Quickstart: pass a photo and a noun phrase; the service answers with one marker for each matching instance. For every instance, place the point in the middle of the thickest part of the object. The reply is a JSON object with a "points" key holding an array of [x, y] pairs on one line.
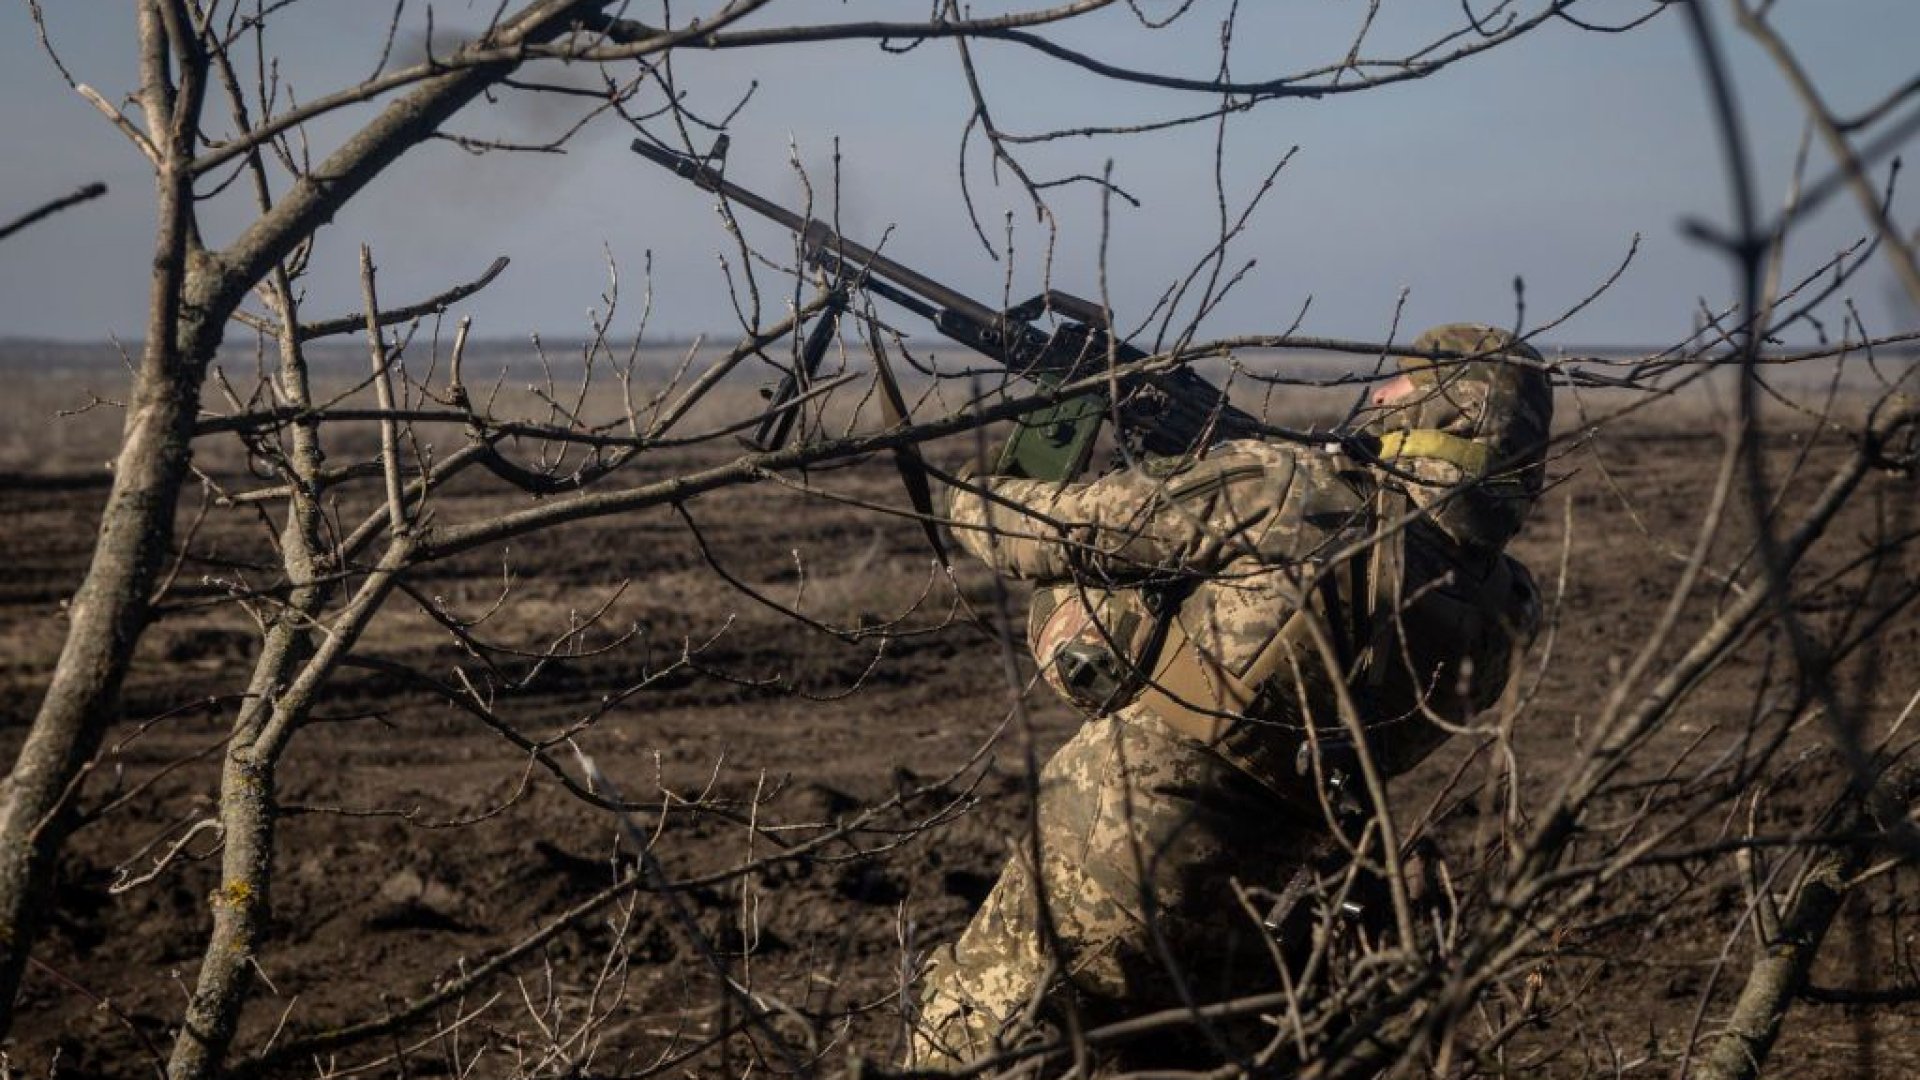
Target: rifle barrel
{"points": [[817, 237]]}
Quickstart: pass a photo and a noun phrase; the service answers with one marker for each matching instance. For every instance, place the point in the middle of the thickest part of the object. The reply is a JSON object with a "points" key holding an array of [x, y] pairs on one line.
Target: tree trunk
{"points": [[1780, 973], [193, 293], [110, 610]]}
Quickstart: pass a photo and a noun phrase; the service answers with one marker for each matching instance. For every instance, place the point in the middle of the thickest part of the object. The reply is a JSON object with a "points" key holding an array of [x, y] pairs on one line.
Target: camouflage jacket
{"points": [[1296, 583]]}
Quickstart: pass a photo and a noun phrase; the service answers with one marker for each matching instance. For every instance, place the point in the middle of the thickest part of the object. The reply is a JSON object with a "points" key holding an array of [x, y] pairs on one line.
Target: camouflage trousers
{"points": [[1131, 903]]}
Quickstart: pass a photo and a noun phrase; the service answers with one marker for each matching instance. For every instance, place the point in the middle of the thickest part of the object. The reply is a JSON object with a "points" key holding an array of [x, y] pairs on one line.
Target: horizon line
{"points": [[497, 343]]}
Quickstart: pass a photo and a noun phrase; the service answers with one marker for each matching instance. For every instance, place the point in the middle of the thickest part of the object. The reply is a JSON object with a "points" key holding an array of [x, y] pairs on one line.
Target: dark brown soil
{"points": [[418, 842]]}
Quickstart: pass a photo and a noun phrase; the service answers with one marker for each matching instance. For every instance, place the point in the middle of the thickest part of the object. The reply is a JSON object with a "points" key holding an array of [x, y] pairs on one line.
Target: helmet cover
{"points": [[1495, 393]]}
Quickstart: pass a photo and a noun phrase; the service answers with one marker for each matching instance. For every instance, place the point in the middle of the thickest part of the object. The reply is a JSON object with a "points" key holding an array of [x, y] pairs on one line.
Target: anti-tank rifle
{"points": [[1161, 413]]}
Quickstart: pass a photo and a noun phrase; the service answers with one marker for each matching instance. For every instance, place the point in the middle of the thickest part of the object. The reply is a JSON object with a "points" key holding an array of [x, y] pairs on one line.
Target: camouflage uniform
{"points": [[1213, 618]]}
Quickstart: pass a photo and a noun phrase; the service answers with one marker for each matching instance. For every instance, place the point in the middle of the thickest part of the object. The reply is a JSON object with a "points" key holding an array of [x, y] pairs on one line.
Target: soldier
{"points": [[1256, 638]]}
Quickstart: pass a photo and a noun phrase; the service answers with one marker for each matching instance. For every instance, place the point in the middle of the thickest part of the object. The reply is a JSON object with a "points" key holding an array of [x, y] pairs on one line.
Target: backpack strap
{"points": [[1201, 698]]}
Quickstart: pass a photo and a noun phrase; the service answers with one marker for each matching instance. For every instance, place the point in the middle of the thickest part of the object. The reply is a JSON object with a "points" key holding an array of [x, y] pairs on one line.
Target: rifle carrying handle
{"points": [[1060, 303]]}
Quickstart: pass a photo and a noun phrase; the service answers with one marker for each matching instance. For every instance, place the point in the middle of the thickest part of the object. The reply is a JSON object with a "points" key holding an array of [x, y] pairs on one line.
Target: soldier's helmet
{"points": [[1491, 404]]}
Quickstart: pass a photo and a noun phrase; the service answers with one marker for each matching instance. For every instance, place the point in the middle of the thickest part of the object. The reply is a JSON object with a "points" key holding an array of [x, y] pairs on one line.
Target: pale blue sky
{"points": [[1540, 159]]}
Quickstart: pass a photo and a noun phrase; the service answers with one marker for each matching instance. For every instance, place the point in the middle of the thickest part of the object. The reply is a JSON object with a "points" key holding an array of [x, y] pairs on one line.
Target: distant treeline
{"points": [[522, 357], [42, 355]]}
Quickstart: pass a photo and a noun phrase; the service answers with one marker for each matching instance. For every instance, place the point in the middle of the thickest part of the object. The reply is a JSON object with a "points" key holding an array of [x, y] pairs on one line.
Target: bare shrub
{"points": [[409, 553]]}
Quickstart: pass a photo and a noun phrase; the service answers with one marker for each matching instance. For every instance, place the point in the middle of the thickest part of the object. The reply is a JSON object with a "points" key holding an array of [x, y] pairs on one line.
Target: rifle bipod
{"points": [[782, 407]]}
